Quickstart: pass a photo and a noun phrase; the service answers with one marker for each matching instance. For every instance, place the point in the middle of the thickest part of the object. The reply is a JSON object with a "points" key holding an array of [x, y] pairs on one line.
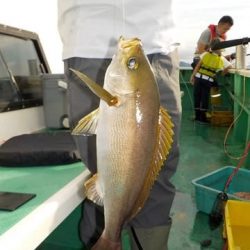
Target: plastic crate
{"points": [[207, 187], [221, 118], [237, 222]]}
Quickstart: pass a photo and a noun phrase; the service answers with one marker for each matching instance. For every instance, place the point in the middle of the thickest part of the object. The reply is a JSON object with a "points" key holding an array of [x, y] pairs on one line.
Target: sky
{"points": [[191, 18]]}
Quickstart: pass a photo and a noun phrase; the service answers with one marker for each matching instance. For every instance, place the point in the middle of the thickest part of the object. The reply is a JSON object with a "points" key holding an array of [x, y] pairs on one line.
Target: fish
{"points": [[134, 135]]}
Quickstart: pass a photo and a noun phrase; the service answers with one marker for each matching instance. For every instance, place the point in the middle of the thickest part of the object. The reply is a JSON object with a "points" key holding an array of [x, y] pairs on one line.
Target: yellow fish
{"points": [[134, 136]]}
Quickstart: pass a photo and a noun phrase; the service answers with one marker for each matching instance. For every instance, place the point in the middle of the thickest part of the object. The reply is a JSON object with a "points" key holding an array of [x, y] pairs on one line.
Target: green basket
{"points": [[207, 187]]}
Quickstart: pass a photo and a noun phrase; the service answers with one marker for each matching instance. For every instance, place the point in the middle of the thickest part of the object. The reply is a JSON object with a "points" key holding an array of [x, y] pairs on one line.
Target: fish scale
{"points": [[134, 135]]}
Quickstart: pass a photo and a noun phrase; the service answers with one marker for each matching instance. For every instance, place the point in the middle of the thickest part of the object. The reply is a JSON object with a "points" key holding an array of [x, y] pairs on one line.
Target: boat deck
{"points": [[201, 152]]}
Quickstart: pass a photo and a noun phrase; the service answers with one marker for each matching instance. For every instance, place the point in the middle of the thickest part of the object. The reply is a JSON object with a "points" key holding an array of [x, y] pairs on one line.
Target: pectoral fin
{"points": [[97, 89], [87, 125], [162, 148], [93, 191]]}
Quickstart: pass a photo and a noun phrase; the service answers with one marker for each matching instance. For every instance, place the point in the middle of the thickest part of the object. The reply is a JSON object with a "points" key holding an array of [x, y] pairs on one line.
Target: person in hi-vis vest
{"points": [[203, 77]]}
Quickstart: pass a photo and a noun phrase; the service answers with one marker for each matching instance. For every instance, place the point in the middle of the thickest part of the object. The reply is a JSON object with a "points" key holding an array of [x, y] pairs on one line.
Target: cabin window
{"points": [[20, 73]]}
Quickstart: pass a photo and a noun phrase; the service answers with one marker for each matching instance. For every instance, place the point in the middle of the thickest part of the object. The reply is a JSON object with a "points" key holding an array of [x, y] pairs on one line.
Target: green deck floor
{"points": [[201, 152]]}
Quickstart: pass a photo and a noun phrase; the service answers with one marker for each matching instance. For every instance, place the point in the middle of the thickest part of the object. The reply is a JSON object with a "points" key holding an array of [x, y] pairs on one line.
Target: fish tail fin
{"points": [[106, 244], [93, 191]]}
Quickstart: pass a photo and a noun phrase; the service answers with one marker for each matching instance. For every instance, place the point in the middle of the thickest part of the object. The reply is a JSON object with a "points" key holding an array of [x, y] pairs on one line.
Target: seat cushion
{"points": [[39, 149]]}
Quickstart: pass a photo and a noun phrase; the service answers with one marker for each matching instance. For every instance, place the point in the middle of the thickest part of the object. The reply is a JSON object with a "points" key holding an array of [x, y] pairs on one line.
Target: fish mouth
{"points": [[127, 43]]}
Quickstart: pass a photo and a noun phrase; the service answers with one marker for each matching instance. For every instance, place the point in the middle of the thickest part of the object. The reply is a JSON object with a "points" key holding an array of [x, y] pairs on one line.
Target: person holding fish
{"points": [[121, 64]]}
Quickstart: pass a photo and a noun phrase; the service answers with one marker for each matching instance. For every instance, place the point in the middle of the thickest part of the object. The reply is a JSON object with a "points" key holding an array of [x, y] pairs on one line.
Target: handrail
{"points": [[230, 43]]}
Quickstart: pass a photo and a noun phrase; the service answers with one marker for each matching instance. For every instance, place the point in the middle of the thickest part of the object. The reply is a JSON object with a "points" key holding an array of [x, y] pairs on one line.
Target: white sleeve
{"points": [[205, 37]]}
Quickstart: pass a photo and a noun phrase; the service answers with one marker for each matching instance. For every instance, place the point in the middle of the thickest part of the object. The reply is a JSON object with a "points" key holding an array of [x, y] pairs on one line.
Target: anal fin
{"points": [[93, 191]]}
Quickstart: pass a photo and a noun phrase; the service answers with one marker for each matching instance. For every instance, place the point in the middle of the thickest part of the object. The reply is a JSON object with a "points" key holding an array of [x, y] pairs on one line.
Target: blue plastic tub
{"points": [[207, 187]]}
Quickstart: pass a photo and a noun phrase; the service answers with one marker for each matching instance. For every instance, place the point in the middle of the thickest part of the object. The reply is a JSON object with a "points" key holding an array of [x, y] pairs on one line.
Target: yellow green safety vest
{"points": [[210, 64]]}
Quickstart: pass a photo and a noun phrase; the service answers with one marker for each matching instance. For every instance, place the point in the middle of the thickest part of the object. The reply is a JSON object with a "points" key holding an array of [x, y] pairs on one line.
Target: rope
{"points": [[229, 180], [233, 123]]}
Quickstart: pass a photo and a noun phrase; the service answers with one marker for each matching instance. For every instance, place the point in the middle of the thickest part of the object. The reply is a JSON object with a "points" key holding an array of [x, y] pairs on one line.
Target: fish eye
{"points": [[132, 63]]}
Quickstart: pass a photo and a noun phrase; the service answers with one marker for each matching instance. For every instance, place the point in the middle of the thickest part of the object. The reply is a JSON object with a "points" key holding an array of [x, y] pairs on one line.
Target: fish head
{"points": [[129, 69]]}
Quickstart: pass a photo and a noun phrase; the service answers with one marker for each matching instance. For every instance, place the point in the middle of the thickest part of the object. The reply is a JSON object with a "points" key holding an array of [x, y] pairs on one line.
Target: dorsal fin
{"points": [[87, 125], [93, 192], [162, 148]]}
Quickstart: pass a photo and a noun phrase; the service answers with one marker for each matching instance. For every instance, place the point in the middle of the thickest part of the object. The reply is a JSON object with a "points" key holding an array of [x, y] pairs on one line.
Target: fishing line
{"points": [[123, 17]]}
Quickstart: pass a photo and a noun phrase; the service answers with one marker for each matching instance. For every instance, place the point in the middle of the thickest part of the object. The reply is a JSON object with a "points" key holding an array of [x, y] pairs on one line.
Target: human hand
{"points": [[233, 56]]}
